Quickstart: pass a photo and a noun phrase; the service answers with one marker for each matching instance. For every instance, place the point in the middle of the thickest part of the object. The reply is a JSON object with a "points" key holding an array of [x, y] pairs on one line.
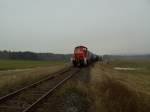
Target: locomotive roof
{"points": [[80, 46]]}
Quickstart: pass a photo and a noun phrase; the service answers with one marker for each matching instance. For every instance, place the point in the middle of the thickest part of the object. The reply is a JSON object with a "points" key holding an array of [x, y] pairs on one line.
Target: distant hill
{"points": [[129, 57], [33, 56], [60, 57]]}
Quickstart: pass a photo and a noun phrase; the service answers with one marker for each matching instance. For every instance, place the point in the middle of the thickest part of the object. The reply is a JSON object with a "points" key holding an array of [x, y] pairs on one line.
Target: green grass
{"points": [[141, 76], [143, 66], [20, 64], [138, 79], [131, 63]]}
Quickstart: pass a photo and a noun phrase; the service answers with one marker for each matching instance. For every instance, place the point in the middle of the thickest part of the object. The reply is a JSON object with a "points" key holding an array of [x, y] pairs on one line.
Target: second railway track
{"points": [[24, 99]]}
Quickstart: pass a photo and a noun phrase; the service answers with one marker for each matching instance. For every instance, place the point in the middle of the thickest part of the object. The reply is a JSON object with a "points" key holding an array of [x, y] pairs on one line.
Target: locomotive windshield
{"points": [[80, 49]]}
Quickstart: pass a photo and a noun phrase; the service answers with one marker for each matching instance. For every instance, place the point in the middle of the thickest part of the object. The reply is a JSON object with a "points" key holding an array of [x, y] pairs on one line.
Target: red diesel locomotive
{"points": [[82, 56]]}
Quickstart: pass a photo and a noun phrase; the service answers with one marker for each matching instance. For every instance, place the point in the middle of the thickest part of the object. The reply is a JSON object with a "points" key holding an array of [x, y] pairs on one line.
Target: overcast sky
{"points": [[104, 26]]}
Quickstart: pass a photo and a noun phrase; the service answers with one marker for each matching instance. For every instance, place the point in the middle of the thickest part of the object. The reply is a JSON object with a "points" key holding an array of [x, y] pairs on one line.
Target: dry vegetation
{"points": [[102, 89], [8, 64], [98, 88], [14, 79]]}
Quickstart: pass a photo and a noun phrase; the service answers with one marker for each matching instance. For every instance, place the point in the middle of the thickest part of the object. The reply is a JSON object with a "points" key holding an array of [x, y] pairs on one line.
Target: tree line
{"points": [[33, 56]]}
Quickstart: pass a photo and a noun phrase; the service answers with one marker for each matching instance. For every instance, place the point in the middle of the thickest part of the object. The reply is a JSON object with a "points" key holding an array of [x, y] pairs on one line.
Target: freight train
{"points": [[83, 57]]}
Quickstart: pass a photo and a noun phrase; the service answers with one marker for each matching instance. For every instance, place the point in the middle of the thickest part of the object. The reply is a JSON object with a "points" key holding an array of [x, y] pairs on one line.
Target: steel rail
{"points": [[5, 97], [49, 92]]}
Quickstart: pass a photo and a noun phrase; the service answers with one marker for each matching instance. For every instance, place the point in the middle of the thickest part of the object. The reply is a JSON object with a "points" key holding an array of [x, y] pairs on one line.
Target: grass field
{"points": [[131, 63], [21, 64], [94, 89], [141, 76], [108, 90], [15, 79]]}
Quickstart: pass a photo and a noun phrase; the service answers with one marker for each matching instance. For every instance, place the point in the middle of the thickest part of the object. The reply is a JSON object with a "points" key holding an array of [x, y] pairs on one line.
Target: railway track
{"points": [[26, 98]]}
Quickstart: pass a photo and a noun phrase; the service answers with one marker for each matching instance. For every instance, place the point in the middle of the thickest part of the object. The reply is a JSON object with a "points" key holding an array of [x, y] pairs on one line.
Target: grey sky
{"points": [[104, 26]]}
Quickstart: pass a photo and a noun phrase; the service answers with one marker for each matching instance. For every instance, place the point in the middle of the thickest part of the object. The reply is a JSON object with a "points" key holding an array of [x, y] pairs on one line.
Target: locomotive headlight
{"points": [[85, 61]]}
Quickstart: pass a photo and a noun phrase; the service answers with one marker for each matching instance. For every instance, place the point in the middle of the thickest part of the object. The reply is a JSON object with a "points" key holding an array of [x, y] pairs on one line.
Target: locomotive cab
{"points": [[79, 57]]}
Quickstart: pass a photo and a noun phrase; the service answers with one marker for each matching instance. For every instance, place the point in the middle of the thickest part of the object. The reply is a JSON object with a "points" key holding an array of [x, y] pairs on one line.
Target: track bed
{"points": [[23, 100]]}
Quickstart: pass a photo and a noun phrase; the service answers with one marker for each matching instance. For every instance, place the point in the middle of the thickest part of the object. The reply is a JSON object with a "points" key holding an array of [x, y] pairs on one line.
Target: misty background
{"points": [[57, 26]]}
